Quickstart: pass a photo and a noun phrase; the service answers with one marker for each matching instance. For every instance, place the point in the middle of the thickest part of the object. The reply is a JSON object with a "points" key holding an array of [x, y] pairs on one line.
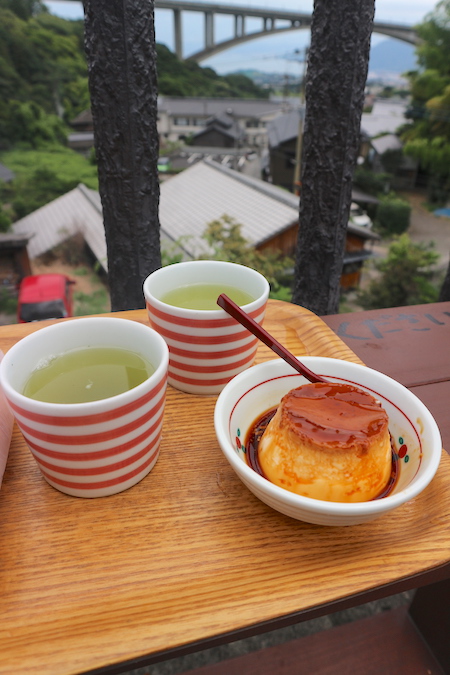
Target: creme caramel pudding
{"points": [[328, 441]]}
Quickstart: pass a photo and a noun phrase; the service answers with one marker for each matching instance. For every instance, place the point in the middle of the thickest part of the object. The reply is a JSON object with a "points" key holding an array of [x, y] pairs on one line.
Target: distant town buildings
{"points": [[243, 121], [180, 118]]}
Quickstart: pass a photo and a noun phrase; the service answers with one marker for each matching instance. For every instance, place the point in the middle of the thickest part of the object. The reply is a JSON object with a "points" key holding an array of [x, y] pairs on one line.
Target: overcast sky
{"points": [[274, 53], [398, 11]]}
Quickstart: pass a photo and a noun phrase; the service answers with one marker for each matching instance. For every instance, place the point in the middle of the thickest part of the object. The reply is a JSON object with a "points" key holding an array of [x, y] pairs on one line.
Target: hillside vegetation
{"points": [[44, 85], [44, 82]]}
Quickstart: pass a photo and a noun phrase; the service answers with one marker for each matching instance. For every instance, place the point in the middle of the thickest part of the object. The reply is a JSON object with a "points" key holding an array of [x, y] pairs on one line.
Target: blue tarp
{"points": [[442, 212]]}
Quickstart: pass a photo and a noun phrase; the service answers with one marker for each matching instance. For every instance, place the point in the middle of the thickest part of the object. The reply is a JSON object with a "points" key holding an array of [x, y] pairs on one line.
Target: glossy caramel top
{"points": [[334, 415]]}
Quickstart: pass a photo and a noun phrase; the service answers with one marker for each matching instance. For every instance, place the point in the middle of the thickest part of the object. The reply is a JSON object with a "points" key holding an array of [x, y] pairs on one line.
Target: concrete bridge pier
{"points": [[178, 33], [209, 29], [239, 25]]}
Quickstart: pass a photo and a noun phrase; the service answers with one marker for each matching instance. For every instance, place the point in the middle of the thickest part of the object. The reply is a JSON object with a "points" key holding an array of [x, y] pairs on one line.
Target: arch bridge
{"points": [[269, 17]]}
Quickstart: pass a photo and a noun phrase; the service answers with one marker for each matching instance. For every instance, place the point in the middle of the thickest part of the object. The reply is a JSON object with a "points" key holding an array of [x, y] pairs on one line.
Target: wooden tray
{"points": [[189, 553]]}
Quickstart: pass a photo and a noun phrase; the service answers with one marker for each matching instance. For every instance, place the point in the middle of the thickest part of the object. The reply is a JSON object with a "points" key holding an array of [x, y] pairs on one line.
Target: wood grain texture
{"points": [[189, 553]]}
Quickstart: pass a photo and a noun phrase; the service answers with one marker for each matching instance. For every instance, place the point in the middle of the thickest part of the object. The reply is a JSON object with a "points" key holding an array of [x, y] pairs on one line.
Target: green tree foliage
{"points": [[187, 78], [5, 220], [434, 50], [392, 160], [370, 182], [28, 124], [43, 73], [393, 215], [45, 186], [24, 9], [42, 175], [428, 137], [224, 236], [405, 277]]}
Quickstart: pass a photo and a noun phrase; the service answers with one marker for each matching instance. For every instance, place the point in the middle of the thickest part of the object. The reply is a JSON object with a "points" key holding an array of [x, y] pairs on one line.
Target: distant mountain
{"points": [[388, 59], [392, 56]]}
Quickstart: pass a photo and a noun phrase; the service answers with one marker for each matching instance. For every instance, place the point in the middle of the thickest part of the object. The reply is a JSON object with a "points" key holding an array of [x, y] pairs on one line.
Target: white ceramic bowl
{"points": [[98, 448], [207, 347], [260, 388]]}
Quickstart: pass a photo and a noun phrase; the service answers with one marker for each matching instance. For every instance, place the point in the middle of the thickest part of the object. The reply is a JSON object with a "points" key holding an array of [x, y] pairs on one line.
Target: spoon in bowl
{"points": [[245, 320]]}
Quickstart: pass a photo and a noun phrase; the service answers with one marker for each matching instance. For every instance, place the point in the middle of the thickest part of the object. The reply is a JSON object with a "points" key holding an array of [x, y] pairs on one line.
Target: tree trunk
{"points": [[121, 54], [444, 294], [335, 82]]}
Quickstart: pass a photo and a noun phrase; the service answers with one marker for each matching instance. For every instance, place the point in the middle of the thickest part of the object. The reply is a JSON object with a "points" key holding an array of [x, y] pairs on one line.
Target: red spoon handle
{"points": [[245, 320]]}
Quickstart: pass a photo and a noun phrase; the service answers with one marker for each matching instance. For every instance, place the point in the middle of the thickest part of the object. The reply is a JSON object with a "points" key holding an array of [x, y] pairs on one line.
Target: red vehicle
{"points": [[45, 296]]}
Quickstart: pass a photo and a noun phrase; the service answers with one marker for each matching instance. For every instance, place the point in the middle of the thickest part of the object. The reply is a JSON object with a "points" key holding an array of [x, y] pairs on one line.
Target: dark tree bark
{"points": [[120, 48], [335, 82], [444, 293]]}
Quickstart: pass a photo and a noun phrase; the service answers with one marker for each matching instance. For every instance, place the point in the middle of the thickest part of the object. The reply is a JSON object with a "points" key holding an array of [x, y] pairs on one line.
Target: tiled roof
{"points": [[203, 107], [181, 106], [77, 211], [362, 197], [189, 201], [207, 191], [387, 142], [284, 127], [386, 117], [12, 240], [85, 117], [225, 125]]}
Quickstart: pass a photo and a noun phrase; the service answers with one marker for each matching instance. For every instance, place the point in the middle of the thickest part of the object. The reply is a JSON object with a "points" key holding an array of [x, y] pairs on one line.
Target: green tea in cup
{"points": [[204, 296], [84, 375]]}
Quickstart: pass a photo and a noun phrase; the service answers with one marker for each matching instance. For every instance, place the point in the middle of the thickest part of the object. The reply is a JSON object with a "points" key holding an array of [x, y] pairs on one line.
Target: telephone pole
{"points": [[298, 149]]}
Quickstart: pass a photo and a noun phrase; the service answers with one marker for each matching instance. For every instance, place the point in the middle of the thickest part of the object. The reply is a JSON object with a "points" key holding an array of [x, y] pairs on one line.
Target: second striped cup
{"points": [[207, 347]]}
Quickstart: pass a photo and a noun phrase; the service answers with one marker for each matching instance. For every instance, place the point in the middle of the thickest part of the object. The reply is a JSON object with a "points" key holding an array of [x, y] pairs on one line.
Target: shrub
{"points": [[393, 215], [225, 239], [5, 220], [43, 186], [405, 277], [370, 182], [8, 302], [95, 303]]}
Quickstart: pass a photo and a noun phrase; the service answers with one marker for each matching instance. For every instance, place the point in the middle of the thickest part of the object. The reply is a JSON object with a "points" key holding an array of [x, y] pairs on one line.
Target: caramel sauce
{"points": [[258, 428], [334, 415]]}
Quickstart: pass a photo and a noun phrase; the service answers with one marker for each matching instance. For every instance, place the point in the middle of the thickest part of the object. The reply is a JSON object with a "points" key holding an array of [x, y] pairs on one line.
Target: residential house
{"points": [[386, 116], [180, 118], [14, 260], [82, 137], [386, 155], [283, 132], [268, 214], [189, 201], [77, 213], [221, 131], [83, 122]]}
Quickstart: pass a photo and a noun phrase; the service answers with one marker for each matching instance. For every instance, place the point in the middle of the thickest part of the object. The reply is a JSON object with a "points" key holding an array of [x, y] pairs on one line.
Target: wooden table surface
{"points": [[188, 554]]}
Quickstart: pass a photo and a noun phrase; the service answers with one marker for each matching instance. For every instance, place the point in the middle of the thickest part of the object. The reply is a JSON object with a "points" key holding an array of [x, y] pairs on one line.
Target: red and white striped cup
{"points": [[98, 448], [207, 347]]}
